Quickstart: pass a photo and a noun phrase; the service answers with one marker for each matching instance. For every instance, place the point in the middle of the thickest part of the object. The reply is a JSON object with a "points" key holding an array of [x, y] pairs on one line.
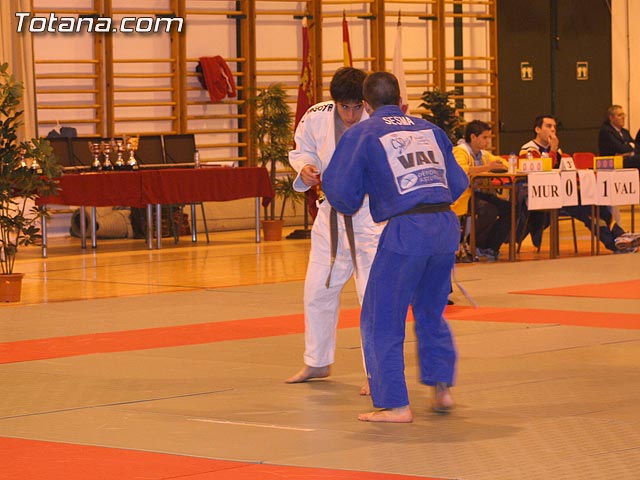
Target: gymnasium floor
{"points": [[125, 363]]}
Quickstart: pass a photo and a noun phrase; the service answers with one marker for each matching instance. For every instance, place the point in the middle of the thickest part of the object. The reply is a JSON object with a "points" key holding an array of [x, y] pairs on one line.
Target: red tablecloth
{"points": [[98, 189], [172, 185], [219, 184]]}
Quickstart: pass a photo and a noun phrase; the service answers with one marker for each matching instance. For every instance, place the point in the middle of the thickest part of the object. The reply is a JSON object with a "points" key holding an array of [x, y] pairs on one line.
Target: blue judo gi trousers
{"points": [[413, 265]]}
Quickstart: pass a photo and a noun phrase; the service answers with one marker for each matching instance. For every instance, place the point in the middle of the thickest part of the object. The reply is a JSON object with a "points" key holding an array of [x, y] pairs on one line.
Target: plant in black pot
{"points": [[442, 111], [27, 170], [273, 138]]}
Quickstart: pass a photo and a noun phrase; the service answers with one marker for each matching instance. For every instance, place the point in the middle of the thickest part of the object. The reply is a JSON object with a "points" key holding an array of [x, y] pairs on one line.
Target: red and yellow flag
{"points": [[346, 45], [306, 96]]}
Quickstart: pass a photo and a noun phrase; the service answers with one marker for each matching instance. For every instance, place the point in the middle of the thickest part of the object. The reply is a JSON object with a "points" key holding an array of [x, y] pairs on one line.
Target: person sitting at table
{"points": [[545, 140], [493, 219], [614, 139], [612, 236]]}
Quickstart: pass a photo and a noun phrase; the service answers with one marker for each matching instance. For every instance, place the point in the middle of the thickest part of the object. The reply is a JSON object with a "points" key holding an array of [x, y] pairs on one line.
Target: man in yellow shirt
{"points": [[493, 213]]}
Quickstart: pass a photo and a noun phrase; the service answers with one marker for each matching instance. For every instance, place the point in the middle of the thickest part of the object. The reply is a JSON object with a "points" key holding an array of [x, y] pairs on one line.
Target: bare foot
{"points": [[388, 415], [307, 373], [365, 390], [442, 401]]}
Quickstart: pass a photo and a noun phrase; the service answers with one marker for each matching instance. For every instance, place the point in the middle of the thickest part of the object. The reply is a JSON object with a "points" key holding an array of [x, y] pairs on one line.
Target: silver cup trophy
{"points": [[120, 148], [106, 151], [132, 146], [23, 162], [96, 150]]}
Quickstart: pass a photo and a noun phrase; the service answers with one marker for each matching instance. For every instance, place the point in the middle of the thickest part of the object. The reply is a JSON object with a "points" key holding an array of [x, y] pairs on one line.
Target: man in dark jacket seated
{"points": [[614, 139]]}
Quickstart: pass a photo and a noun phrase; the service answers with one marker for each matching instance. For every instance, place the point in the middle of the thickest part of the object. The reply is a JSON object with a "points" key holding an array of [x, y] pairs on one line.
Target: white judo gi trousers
{"points": [[322, 304]]}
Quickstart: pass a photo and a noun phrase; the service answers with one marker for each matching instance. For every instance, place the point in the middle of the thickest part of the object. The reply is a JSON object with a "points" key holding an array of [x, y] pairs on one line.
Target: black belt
{"points": [[348, 225], [427, 208]]}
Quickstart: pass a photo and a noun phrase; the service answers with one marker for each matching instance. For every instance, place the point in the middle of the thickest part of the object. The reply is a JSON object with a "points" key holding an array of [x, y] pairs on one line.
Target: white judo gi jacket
{"points": [[315, 144]]}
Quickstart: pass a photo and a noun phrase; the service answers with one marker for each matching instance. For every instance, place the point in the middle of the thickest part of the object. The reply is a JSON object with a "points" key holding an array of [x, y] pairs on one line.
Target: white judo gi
{"points": [[315, 143]]}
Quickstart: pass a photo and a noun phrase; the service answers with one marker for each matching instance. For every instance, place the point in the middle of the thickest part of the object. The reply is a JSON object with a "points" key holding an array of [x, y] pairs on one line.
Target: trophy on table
{"points": [[132, 146], [23, 162], [96, 150], [35, 165], [119, 146], [106, 150]]}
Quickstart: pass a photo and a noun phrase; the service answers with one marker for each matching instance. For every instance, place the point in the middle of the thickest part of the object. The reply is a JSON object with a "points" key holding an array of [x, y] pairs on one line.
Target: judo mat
{"points": [[629, 289], [168, 364]]}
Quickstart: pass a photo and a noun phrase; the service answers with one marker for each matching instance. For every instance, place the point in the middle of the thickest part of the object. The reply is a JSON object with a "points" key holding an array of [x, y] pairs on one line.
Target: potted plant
{"points": [[443, 112], [27, 170], [273, 138]]}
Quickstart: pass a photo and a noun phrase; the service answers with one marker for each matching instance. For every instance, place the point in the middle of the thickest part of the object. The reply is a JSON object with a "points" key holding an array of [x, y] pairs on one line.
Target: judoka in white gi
{"points": [[406, 166], [316, 137]]}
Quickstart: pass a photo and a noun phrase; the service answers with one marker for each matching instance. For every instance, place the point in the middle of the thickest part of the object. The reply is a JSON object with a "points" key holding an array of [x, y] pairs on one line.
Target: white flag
{"points": [[398, 69]]}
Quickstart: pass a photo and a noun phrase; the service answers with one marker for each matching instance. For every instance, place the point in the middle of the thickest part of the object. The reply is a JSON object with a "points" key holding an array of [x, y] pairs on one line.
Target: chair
{"points": [[583, 159], [464, 254], [150, 150], [181, 149], [81, 156], [62, 149], [562, 217]]}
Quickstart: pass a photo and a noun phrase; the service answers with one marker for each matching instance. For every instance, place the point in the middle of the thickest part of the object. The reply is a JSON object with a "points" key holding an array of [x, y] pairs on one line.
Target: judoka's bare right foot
{"points": [[307, 373], [388, 415]]}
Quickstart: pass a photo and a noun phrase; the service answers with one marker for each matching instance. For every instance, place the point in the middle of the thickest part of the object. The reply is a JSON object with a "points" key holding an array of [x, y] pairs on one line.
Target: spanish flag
{"points": [[346, 45]]}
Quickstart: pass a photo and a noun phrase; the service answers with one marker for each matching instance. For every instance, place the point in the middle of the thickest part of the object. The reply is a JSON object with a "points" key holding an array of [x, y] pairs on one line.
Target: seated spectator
{"points": [[612, 235], [492, 213], [545, 141], [614, 139]]}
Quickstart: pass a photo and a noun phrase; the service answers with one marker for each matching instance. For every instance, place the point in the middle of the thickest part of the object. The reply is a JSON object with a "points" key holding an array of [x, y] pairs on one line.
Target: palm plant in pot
{"points": [[273, 138], [27, 170]]}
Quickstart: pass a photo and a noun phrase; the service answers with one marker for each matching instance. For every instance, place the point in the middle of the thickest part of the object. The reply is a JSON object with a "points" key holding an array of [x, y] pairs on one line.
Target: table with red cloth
{"points": [[98, 189], [145, 188], [207, 184]]}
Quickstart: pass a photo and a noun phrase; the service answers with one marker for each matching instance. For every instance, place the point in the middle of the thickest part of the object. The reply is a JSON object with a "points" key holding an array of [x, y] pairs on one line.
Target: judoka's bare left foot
{"points": [[307, 373], [365, 390], [442, 401], [388, 415]]}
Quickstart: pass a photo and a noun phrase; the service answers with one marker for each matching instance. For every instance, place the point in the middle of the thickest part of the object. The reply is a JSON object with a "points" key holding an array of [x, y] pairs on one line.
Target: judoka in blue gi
{"points": [[406, 166]]}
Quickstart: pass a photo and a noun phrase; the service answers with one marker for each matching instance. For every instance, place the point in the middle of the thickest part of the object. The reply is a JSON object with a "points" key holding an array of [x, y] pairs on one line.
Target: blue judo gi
{"points": [[403, 163]]}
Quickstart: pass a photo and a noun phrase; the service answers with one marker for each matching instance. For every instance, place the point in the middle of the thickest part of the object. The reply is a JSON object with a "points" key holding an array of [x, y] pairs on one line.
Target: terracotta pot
{"points": [[272, 230], [10, 287]]}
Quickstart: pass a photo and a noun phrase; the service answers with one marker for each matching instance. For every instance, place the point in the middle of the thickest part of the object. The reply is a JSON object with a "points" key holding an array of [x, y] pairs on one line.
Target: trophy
{"points": [[23, 162], [95, 148], [132, 146], [119, 147], [35, 166], [105, 147]]}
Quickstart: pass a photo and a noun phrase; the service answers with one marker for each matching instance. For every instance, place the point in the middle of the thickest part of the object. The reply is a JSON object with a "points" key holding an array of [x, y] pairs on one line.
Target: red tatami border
{"points": [[180, 335]]}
